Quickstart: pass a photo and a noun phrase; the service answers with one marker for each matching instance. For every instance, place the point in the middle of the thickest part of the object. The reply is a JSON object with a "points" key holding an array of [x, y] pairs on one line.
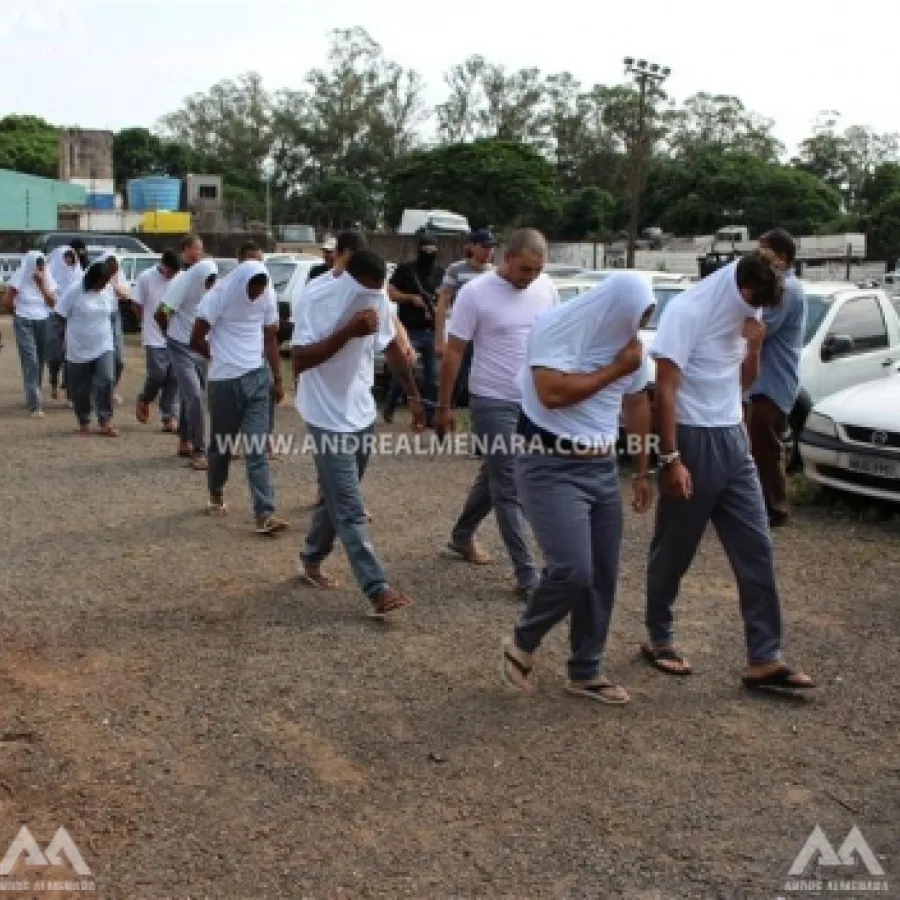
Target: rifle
{"points": [[429, 298]]}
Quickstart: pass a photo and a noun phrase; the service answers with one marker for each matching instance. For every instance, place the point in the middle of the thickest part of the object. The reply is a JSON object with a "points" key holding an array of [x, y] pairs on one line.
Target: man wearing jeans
{"points": [[496, 313], [240, 319], [30, 296], [773, 395], [706, 349], [338, 323], [160, 382], [583, 359]]}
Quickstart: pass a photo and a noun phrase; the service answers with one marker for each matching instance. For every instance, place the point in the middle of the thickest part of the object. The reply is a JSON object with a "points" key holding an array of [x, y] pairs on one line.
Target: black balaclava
{"points": [[425, 261]]}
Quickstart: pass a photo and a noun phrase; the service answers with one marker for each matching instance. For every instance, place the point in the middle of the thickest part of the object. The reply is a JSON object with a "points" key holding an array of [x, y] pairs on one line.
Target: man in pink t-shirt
{"points": [[496, 313]]}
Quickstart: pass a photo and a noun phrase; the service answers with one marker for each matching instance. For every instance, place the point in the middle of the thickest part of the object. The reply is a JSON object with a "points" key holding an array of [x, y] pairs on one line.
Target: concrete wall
{"points": [[28, 202], [85, 154]]}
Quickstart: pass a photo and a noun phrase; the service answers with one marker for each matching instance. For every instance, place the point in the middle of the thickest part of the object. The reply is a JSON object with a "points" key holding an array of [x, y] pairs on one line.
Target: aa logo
{"points": [[41, 17], [818, 850], [61, 846]]}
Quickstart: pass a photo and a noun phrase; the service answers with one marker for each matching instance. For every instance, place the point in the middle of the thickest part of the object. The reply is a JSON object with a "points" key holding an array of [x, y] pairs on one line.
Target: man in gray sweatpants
{"points": [[583, 358], [496, 313], [707, 349]]}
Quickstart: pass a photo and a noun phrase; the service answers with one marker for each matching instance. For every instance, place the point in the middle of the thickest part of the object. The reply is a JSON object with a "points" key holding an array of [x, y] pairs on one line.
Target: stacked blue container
{"points": [[155, 192]]}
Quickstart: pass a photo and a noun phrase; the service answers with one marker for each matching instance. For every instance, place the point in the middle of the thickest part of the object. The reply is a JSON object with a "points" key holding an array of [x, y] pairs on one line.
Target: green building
{"points": [[29, 203]]}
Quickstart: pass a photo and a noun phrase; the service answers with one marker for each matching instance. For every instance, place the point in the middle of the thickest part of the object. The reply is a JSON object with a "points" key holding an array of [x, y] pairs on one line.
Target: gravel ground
{"points": [[204, 726]]}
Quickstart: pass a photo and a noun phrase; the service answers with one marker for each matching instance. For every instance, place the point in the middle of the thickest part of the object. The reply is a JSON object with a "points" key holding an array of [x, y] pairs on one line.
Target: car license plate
{"points": [[880, 468]]}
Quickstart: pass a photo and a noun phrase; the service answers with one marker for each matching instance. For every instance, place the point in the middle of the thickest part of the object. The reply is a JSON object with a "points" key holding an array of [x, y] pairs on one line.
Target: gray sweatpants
{"points": [[190, 372], [495, 486], [728, 494], [574, 507], [340, 469], [161, 382], [92, 381], [239, 411]]}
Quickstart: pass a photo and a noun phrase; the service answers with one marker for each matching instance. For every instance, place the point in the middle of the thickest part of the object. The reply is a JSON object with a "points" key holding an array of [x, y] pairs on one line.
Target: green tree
{"points": [[883, 231], [335, 202], [496, 184], [691, 196], [721, 123], [586, 213], [30, 145]]}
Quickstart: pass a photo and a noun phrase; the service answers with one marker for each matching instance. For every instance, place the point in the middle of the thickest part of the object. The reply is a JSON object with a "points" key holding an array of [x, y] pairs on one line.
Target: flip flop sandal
{"points": [[109, 431], [603, 691], [507, 660], [216, 509], [398, 603], [470, 555], [321, 582], [664, 654], [271, 525], [779, 680]]}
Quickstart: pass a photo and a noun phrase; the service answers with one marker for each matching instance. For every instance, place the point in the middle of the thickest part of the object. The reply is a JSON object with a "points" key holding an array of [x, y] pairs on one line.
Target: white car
{"points": [[657, 279], [851, 441], [569, 288]]}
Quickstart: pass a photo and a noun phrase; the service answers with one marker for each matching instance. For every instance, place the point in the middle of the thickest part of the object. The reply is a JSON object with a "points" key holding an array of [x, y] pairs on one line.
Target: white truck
{"points": [[437, 221]]}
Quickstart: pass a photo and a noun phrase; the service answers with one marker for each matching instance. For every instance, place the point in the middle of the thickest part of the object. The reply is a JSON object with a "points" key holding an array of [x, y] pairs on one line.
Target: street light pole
{"points": [[644, 74]]}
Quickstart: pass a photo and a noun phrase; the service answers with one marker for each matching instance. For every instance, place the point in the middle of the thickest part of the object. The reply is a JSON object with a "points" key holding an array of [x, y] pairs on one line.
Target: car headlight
{"points": [[821, 425]]}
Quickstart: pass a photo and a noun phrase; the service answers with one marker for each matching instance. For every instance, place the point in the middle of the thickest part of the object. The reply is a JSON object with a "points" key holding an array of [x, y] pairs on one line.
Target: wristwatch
{"points": [[666, 459]]}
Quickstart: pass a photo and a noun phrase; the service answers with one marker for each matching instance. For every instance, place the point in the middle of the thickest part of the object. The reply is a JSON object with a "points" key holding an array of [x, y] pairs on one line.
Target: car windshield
{"points": [[280, 271], [663, 295], [141, 265], [569, 293], [816, 307]]}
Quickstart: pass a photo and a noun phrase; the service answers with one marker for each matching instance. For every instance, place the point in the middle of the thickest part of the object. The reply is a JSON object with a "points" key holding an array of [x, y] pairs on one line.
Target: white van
{"points": [[437, 221]]}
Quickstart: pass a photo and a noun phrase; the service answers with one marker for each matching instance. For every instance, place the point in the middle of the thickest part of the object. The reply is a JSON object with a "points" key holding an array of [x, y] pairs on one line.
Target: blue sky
{"points": [[103, 64]]}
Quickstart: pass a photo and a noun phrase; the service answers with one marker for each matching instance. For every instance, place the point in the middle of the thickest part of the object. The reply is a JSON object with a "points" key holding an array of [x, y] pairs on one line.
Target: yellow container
{"points": [[166, 223]]}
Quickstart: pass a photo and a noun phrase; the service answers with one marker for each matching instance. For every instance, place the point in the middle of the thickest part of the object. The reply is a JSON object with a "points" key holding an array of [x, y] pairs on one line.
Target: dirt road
{"points": [[204, 726]]}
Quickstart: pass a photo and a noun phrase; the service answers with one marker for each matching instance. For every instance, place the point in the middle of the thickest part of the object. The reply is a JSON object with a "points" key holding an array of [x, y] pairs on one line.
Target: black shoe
{"points": [[777, 518]]}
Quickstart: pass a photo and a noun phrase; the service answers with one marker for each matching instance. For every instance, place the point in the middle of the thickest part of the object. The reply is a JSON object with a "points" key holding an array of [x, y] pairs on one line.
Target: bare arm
{"points": [[750, 366], [9, 299], [559, 389], [639, 422], [273, 357], [453, 355], [308, 356], [445, 297], [199, 344], [395, 356], [668, 380]]}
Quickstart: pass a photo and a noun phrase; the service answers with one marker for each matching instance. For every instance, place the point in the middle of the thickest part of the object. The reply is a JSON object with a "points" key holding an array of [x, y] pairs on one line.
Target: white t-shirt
{"points": [[149, 290], [337, 395], [583, 336], [701, 334], [237, 323], [185, 292], [498, 319], [89, 331], [30, 302]]}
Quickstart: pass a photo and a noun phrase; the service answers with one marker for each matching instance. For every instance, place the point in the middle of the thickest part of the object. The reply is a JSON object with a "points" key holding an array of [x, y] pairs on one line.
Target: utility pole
{"points": [[644, 73]]}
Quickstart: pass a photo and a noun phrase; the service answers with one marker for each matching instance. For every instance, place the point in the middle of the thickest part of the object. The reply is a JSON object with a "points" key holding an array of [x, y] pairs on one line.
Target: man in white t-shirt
{"points": [[584, 358], [337, 328], [149, 290], [496, 312], [707, 350], [236, 323], [30, 296]]}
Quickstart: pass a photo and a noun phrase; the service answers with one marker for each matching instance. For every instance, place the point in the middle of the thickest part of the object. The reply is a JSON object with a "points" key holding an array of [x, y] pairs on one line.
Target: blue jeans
{"points": [[239, 411], [495, 487], [161, 382], [340, 470], [31, 338], [190, 372], [96, 379], [423, 342]]}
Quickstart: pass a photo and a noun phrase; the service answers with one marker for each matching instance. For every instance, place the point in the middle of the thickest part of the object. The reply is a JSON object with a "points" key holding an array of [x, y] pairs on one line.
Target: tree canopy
{"points": [[354, 141]]}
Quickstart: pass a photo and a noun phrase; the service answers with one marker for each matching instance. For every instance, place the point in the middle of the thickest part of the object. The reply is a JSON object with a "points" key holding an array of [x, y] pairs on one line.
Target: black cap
{"points": [[483, 237]]}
